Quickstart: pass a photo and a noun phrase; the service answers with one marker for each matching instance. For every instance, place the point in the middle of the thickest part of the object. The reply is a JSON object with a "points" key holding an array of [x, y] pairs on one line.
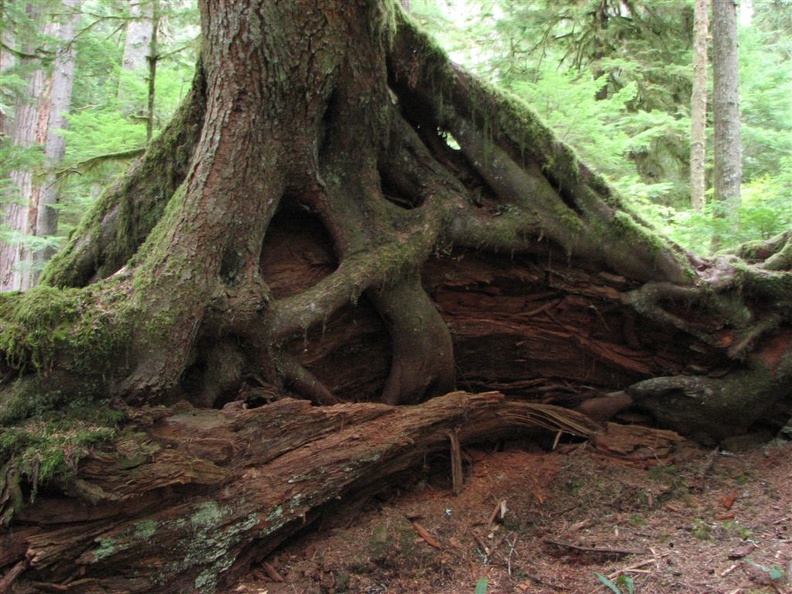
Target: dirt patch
{"points": [[529, 520]]}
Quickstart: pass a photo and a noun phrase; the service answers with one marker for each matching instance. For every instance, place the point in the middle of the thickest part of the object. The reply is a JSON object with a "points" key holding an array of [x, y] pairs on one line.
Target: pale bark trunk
{"points": [[698, 108], [7, 61], [137, 48], [726, 108], [152, 60]]}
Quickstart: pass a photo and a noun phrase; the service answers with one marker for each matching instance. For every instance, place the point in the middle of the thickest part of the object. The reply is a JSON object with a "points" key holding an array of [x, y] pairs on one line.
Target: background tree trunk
{"points": [[62, 81], [698, 107], [137, 49], [727, 154], [40, 113], [18, 213], [140, 55]]}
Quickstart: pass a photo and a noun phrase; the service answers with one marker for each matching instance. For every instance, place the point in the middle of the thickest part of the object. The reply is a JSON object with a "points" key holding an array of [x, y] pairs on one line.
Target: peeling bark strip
{"points": [[206, 492]]}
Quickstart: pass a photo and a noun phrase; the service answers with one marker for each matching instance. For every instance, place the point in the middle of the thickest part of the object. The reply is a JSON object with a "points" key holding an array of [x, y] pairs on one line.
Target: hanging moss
{"points": [[382, 19], [45, 444]]}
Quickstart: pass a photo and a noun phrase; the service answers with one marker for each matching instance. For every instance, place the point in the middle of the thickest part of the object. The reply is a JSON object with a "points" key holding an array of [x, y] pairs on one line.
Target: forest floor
{"points": [[537, 520]]}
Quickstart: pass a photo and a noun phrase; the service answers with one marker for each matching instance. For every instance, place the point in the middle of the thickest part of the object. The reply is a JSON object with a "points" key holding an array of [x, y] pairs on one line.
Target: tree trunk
{"points": [[305, 227], [137, 50], [698, 107], [61, 83], [39, 115], [18, 213], [727, 153], [141, 55], [152, 59]]}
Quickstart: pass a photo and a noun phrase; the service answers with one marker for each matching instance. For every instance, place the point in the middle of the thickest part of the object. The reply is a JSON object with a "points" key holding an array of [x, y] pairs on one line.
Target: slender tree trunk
{"points": [[62, 82], [138, 46], [7, 61], [698, 107], [152, 59], [727, 153]]}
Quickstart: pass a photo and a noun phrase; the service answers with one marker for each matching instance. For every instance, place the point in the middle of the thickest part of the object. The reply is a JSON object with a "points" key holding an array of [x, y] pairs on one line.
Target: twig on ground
{"points": [[430, 540], [457, 477], [635, 567], [606, 550], [728, 570], [12, 575], [499, 511]]}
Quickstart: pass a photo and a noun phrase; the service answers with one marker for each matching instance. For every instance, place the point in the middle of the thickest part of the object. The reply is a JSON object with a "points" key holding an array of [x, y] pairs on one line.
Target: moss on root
{"points": [[59, 349], [48, 447], [76, 328], [43, 439]]}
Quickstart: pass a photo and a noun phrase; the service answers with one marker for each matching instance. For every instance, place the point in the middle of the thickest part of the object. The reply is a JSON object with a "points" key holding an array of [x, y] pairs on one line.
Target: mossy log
{"points": [[190, 498]]}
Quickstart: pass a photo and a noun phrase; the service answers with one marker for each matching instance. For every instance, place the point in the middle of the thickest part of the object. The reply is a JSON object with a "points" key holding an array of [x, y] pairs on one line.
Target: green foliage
{"points": [[701, 529], [765, 211], [14, 158], [96, 132], [563, 101], [100, 122], [613, 80], [481, 586], [775, 574], [615, 587]]}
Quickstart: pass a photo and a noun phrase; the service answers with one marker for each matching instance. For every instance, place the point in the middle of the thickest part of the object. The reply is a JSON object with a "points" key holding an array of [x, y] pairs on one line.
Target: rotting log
{"points": [[190, 498]]}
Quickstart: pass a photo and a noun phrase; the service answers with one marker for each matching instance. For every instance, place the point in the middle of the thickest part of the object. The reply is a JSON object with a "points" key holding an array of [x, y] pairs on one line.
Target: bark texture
{"points": [[698, 106], [727, 152], [307, 227], [204, 494]]}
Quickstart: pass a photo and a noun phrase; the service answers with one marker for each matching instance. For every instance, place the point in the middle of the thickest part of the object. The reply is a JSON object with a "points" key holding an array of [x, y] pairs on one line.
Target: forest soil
{"points": [[540, 520]]}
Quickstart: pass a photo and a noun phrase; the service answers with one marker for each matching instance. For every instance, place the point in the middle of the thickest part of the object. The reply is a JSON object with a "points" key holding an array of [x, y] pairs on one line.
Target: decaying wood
{"points": [[203, 493], [637, 444]]}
